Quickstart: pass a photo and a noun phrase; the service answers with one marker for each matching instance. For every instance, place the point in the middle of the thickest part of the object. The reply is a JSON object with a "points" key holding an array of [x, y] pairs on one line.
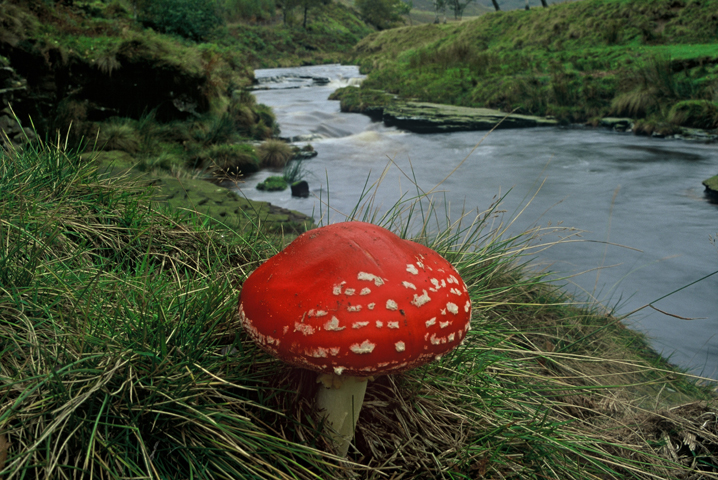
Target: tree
{"points": [[382, 14], [286, 6], [193, 19], [458, 7], [496, 5], [543, 2], [405, 9], [306, 5], [440, 7]]}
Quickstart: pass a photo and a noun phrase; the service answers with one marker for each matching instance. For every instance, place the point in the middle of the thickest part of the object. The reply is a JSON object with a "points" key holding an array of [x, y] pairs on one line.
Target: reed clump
{"points": [[123, 355], [274, 153]]}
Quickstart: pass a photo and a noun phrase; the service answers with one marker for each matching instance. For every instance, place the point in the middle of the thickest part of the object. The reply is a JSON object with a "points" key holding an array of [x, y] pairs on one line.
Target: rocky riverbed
{"points": [[425, 117]]}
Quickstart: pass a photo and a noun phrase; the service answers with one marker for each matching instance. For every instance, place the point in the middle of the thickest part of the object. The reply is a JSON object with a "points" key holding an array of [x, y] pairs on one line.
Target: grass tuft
{"points": [[274, 153]]}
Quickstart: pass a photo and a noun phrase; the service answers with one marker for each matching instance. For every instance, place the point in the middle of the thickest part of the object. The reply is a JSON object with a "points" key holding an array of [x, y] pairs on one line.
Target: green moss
{"points": [[712, 184], [362, 100], [214, 202], [273, 184]]}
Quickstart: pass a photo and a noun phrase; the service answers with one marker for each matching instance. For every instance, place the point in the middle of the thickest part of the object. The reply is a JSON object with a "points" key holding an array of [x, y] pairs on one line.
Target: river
{"points": [[646, 223]]}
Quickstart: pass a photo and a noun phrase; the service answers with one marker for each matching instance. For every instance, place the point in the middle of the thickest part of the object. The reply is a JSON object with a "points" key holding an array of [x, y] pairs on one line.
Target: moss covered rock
{"points": [[273, 184], [711, 185]]}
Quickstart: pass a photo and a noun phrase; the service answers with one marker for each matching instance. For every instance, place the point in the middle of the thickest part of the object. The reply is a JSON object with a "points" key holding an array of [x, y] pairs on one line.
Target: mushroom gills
{"points": [[341, 398]]}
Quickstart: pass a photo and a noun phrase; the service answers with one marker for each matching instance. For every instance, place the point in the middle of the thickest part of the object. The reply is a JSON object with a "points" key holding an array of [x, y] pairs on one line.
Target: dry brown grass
{"points": [[274, 153]]}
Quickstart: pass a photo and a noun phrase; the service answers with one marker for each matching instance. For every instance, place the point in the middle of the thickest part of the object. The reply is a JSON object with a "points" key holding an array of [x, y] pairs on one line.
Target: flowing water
{"points": [[646, 223]]}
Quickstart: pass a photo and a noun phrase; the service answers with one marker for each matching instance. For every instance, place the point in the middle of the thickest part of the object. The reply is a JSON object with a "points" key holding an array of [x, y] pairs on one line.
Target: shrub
{"points": [[215, 129], [274, 153], [266, 125], [694, 113], [116, 9], [654, 126], [248, 9], [119, 134], [15, 24], [647, 88], [382, 14], [193, 19], [226, 159], [294, 172]]}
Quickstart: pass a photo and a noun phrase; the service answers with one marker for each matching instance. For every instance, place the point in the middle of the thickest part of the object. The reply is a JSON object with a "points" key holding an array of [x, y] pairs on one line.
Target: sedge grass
{"points": [[123, 356], [115, 323]]}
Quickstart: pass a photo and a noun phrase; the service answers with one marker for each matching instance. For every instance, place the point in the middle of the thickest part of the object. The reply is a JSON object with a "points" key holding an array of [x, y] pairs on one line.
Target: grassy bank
{"points": [[139, 77], [122, 356], [654, 61], [331, 32]]}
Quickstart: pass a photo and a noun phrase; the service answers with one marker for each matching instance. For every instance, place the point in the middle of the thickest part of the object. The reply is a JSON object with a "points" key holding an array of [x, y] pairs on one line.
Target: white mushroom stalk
{"points": [[341, 398], [350, 301]]}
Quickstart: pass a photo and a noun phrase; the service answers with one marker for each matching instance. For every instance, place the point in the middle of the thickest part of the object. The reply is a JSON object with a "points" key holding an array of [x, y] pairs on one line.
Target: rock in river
{"points": [[420, 117]]}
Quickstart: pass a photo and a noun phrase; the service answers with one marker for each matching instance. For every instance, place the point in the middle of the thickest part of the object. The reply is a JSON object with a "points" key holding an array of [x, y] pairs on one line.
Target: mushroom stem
{"points": [[341, 397]]}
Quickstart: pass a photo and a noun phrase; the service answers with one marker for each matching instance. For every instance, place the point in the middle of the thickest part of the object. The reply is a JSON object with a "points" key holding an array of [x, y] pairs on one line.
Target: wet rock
{"points": [[419, 117], [304, 153], [711, 185], [300, 189], [311, 137], [617, 124]]}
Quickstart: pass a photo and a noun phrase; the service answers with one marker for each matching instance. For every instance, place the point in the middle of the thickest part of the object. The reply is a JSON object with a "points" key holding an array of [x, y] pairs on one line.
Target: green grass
{"points": [[123, 355], [332, 30], [575, 61], [147, 92], [116, 318]]}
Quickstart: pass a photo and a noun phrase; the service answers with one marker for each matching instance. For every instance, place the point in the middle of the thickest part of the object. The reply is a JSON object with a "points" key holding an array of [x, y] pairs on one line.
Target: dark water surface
{"points": [[642, 195]]}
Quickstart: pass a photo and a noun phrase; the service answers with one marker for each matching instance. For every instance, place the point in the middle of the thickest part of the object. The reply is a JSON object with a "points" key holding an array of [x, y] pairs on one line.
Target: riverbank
{"points": [[577, 62], [166, 82], [424, 117], [207, 197]]}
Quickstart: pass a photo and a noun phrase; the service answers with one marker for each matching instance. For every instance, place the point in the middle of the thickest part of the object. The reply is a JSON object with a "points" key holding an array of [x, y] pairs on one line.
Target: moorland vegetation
{"points": [[122, 354], [163, 81]]}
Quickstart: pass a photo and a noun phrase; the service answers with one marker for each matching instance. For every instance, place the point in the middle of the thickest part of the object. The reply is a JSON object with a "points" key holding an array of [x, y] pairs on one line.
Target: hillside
{"points": [[653, 61]]}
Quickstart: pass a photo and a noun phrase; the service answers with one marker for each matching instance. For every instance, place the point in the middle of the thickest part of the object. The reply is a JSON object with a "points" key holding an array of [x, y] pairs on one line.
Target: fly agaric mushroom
{"points": [[353, 300]]}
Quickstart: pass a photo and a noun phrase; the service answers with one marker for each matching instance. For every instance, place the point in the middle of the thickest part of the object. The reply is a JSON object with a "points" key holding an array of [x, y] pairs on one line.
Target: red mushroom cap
{"points": [[353, 298]]}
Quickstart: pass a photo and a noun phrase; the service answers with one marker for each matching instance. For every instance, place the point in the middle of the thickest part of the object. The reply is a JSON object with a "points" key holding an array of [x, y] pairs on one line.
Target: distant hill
{"points": [[655, 62], [482, 6], [423, 11]]}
